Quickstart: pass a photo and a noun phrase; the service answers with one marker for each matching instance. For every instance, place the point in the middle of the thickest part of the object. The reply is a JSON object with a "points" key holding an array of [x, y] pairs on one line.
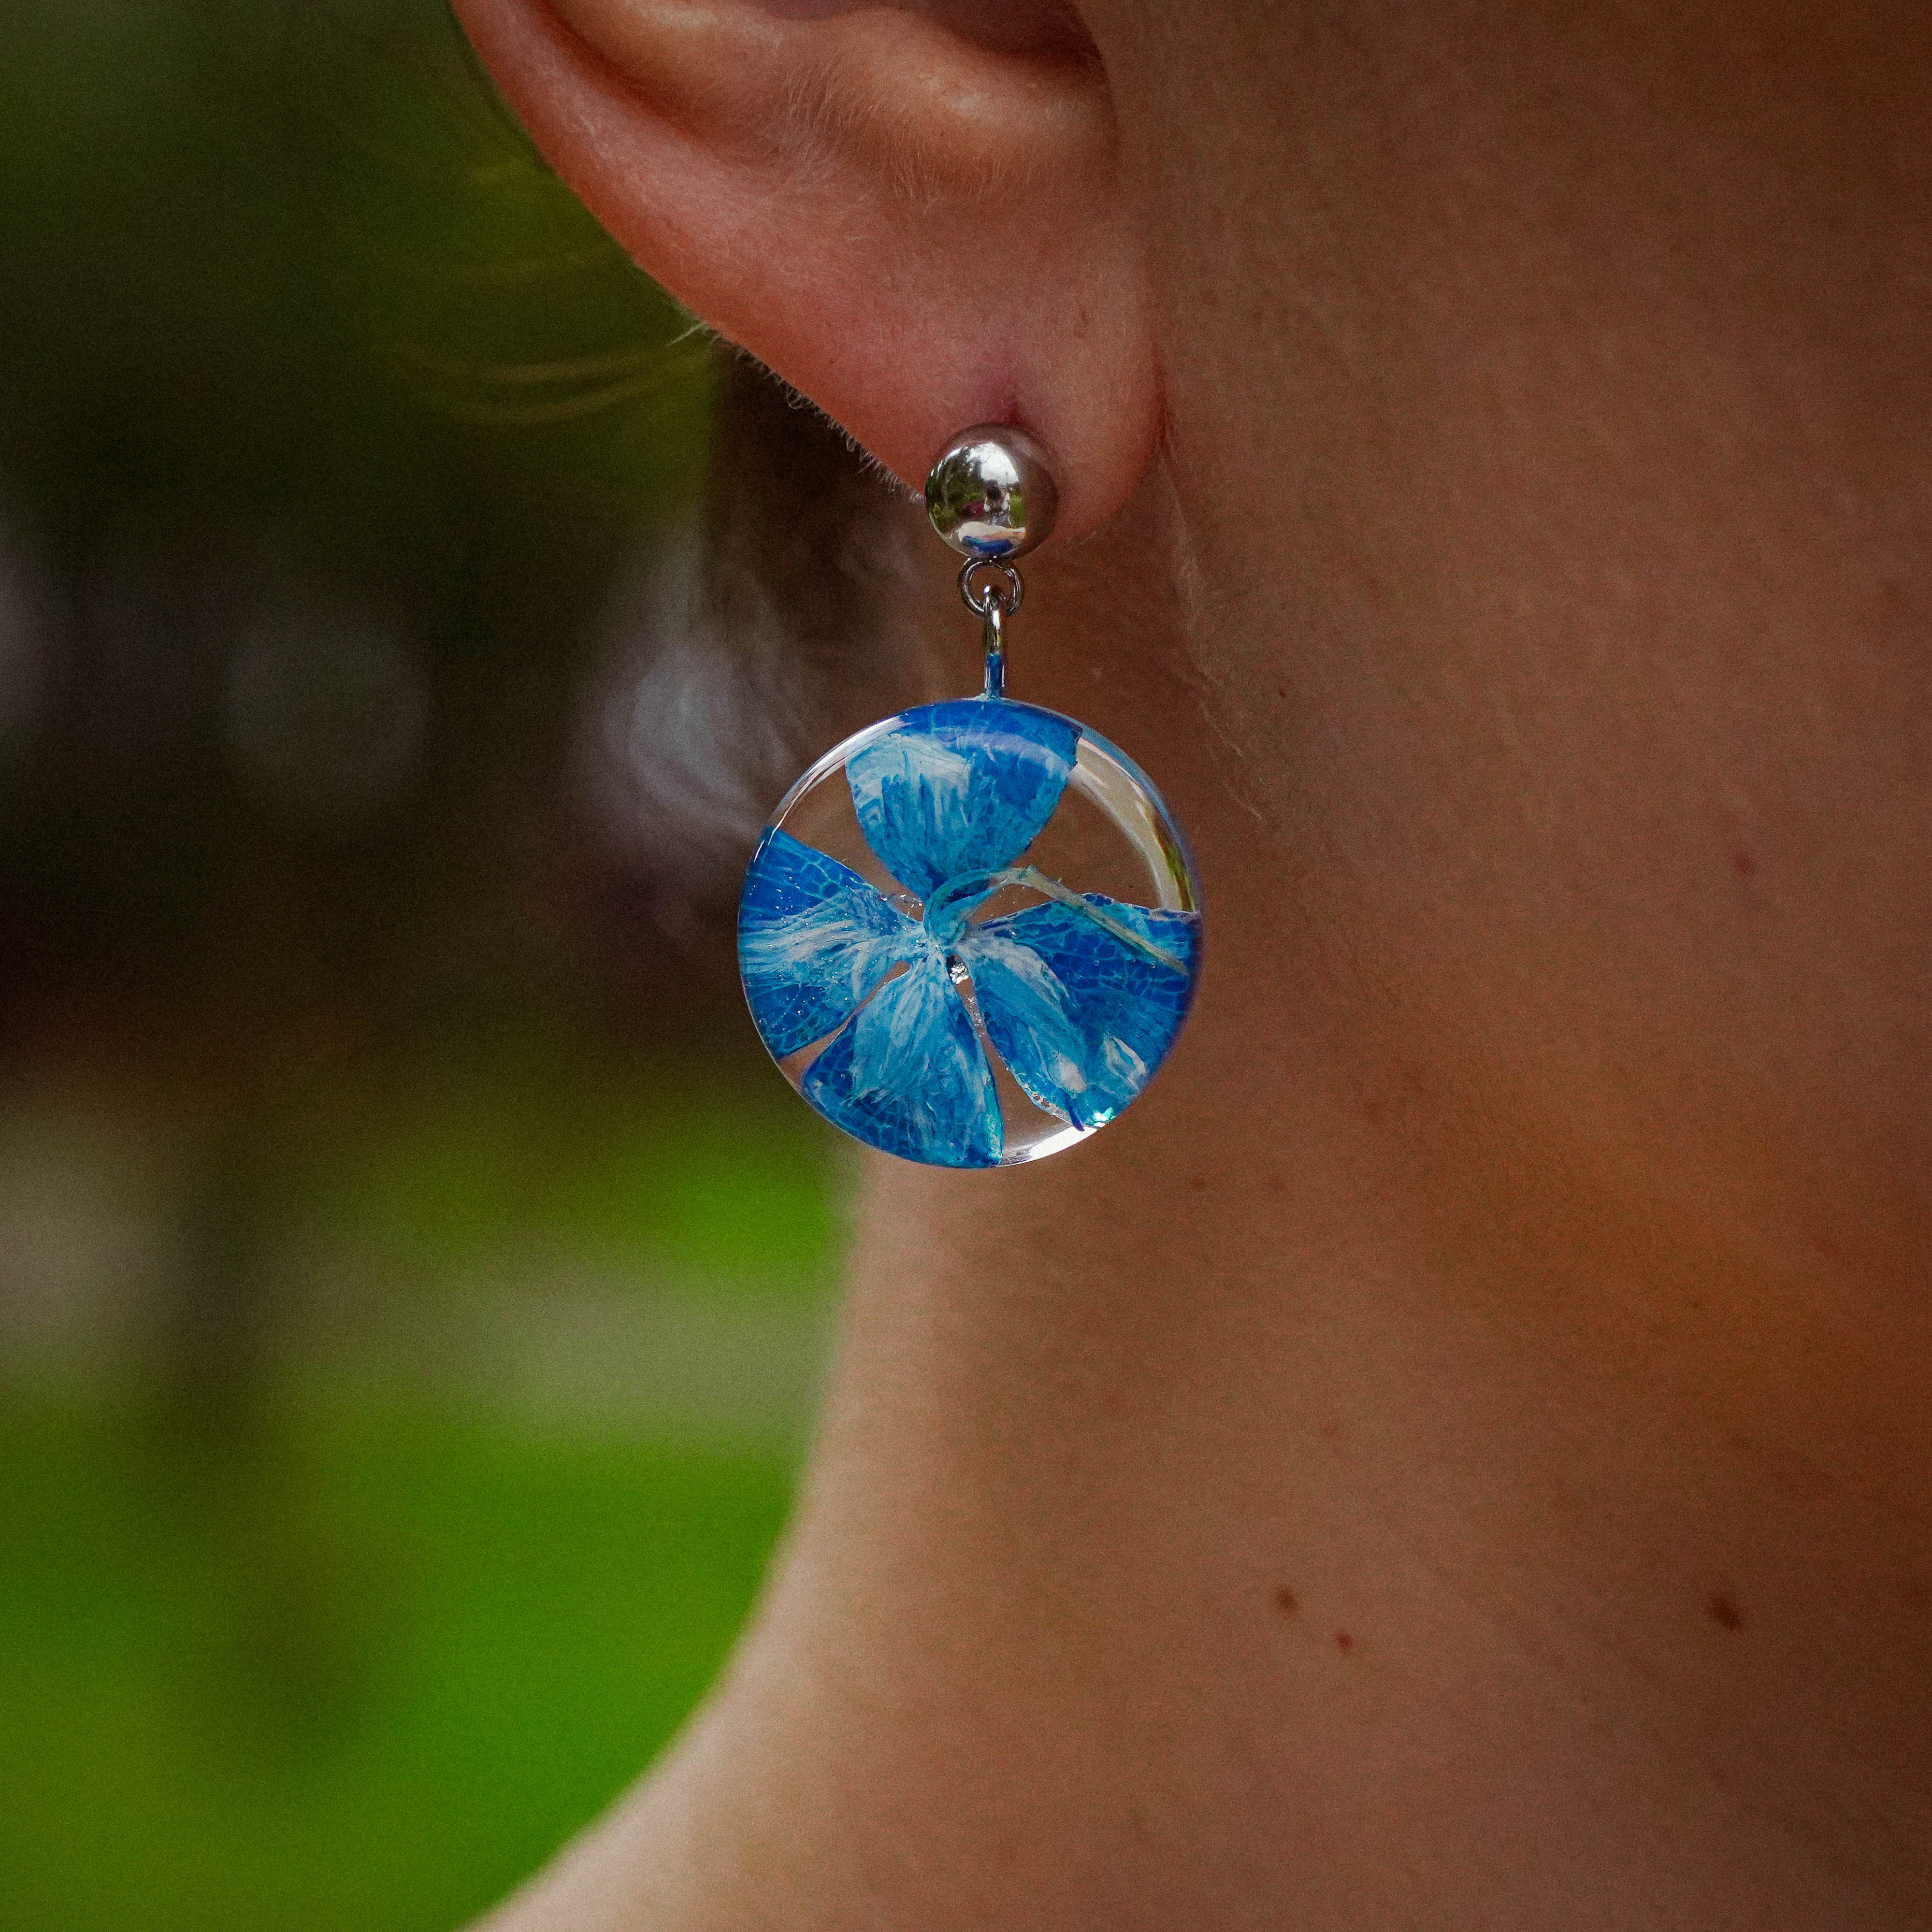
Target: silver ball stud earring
{"points": [[992, 493], [971, 932]]}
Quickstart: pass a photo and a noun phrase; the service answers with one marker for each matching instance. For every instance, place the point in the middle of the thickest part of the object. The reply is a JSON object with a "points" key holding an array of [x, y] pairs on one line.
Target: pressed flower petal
{"points": [[813, 939], [910, 1075], [1081, 1017], [960, 787]]}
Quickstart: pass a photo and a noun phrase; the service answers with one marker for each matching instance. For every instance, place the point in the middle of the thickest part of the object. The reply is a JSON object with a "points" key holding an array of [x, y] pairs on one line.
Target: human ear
{"points": [[915, 217]]}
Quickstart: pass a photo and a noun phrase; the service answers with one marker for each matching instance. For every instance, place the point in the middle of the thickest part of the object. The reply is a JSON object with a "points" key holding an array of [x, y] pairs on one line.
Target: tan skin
{"points": [[1456, 1454]]}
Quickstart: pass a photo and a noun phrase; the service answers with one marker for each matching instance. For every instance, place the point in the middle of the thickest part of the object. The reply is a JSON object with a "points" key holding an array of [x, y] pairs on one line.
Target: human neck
{"points": [[1198, 1535], [1452, 1453]]}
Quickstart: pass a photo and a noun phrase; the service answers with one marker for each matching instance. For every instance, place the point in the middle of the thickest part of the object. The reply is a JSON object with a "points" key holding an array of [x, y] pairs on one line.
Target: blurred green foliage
{"points": [[481, 1636], [293, 323], [693, 1181], [293, 316]]}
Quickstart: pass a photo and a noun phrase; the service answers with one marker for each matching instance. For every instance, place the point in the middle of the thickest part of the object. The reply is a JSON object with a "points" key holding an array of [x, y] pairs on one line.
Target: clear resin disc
{"points": [[970, 934]]}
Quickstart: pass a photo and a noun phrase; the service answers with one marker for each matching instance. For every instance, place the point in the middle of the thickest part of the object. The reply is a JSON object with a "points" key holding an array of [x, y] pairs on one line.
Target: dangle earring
{"points": [[970, 933]]}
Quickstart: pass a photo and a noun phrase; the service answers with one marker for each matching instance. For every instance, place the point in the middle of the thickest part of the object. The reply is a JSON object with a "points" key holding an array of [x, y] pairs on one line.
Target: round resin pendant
{"points": [[970, 934]]}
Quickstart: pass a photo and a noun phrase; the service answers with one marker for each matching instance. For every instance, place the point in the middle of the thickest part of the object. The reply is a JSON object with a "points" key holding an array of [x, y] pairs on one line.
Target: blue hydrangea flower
{"points": [[1081, 995]]}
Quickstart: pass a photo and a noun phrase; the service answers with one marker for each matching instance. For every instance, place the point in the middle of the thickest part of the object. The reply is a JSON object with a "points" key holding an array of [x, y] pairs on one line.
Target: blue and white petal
{"points": [[813, 939], [910, 1075], [960, 787], [1081, 1017]]}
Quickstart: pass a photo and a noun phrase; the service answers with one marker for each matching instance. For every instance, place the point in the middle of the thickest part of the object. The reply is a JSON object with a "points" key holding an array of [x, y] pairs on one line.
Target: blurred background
{"points": [[413, 1280]]}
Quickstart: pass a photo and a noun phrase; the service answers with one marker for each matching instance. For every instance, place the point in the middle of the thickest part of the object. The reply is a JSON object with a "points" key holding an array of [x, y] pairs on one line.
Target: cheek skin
{"points": [[1561, 531]]}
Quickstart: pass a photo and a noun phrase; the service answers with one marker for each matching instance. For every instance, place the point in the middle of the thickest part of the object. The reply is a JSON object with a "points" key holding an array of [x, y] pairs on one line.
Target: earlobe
{"points": [[916, 225]]}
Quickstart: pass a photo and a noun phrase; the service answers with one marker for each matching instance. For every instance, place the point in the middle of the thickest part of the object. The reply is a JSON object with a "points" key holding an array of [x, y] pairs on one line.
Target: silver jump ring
{"points": [[1008, 603]]}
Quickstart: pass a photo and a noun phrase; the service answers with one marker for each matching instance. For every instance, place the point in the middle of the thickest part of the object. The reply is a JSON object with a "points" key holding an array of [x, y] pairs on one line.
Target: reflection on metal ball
{"points": [[991, 493]]}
